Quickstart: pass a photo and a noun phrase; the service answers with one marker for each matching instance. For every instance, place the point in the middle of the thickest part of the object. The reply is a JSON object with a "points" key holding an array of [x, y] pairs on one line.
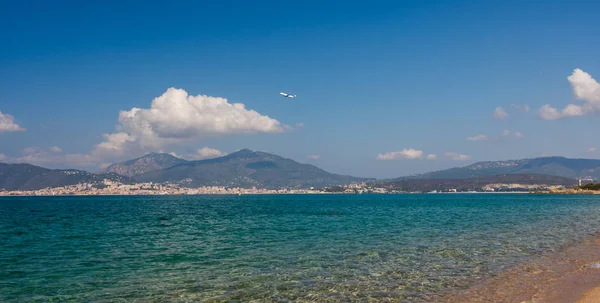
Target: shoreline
{"points": [[258, 194], [570, 274]]}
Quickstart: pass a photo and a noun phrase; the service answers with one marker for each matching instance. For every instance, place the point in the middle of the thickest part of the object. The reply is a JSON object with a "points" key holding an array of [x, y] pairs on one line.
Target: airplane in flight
{"points": [[288, 95]]}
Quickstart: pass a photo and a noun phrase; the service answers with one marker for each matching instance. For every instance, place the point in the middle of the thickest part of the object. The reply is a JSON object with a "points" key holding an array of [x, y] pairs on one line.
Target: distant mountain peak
{"points": [[243, 153], [247, 168], [553, 165], [144, 164], [24, 176]]}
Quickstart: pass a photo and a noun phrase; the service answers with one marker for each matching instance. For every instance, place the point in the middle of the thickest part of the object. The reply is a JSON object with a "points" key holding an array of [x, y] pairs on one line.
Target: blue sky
{"points": [[396, 80]]}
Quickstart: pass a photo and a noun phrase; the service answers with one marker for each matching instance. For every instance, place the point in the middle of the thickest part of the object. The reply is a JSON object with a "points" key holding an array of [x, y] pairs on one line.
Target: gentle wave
{"points": [[275, 248]]}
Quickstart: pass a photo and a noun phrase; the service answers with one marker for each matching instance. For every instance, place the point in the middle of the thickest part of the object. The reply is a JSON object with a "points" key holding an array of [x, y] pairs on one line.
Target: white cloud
{"points": [[457, 156], [8, 124], [584, 86], [586, 89], [30, 150], [3, 157], [55, 149], [116, 147], [38, 156], [573, 110], [477, 138], [547, 112], [209, 153], [431, 157], [592, 150], [176, 155], [201, 154], [500, 113], [176, 117], [507, 133], [314, 157], [409, 154]]}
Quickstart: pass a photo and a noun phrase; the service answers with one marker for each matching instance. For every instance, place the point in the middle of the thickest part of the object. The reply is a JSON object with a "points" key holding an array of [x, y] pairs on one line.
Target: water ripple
{"points": [[279, 248]]}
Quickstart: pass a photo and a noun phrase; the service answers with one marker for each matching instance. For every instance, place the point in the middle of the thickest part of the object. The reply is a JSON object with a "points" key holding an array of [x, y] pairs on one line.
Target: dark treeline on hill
{"points": [[30, 177], [590, 186], [425, 185]]}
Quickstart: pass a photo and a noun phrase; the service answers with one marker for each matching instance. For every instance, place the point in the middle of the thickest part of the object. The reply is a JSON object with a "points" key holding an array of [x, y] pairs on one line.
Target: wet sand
{"points": [[569, 275]]}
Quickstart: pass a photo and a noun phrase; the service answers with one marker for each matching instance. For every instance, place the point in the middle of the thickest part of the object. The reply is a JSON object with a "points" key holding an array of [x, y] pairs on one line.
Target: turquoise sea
{"points": [[275, 248]]}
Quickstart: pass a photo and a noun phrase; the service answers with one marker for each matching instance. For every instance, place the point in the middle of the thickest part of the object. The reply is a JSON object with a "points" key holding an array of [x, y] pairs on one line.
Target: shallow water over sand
{"points": [[276, 248]]}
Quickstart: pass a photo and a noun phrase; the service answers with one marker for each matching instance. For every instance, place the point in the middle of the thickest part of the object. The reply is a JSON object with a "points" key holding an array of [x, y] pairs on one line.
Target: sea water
{"points": [[275, 248]]}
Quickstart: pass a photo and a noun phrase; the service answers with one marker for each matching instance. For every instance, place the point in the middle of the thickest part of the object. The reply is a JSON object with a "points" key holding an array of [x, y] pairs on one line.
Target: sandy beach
{"points": [[590, 296], [570, 275]]}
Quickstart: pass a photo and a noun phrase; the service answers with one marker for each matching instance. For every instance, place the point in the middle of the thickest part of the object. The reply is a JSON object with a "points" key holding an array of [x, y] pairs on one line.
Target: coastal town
{"points": [[109, 187]]}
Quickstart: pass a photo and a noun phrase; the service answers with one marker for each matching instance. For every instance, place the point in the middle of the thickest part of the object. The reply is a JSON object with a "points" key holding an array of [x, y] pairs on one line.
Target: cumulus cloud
{"points": [[547, 112], [500, 113], [477, 138], [431, 157], [457, 156], [176, 116], [8, 124], [55, 149], [201, 154], [314, 157], [116, 147], [584, 86], [586, 89], [592, 150], [175, 119], [409, 154], [209, 153]]}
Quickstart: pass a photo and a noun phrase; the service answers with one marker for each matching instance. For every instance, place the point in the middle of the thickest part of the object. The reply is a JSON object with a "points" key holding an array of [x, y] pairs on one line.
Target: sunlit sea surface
{"points": [[275, 248]]}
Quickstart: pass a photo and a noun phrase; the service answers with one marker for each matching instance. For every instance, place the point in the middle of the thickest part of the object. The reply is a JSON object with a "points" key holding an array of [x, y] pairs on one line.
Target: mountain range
{"points": [[141, 165], [246, 168], [555, 166], [23, 176], [477, 183]]}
